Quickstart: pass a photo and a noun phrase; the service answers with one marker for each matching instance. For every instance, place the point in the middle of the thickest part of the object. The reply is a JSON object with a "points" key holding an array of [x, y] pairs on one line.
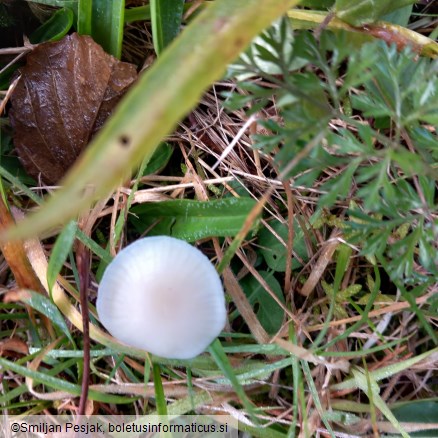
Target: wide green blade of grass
{"points": [[60, 251], [103, 20], [85, 11], [55, 28], [161, 97], [192, 220], [362, 12], [43, 305], [107, 25], [166, 16]]}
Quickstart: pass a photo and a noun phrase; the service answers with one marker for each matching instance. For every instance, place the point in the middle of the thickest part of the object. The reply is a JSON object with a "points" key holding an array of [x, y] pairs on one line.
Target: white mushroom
{"points": [[162, 295]]}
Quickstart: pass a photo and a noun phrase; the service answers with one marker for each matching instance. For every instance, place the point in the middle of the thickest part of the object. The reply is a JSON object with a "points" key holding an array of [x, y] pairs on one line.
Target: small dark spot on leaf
{"points": [[124, 140], [239, 42]]}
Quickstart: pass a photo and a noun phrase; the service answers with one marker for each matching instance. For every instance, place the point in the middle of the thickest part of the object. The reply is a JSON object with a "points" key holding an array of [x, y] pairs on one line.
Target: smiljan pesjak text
{"points": [[86, 428]]}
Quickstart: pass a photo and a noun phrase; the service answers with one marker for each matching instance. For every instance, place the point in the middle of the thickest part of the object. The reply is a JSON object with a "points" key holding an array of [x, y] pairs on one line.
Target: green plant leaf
{"points": [[103, 20], [400, 16], [160, 159], [192, 220], [340, 297], [338, 187], [43, 305], [396, 92], [361, 12], [271, 52], [107, 25], [54, 28], [421, 412], [60, 252], [317, 4], [275, 252], [11, 168], [166, 16], [85, 11], [150, 110], [143, 13], [160, 398], [139, 13], [269, 313]]}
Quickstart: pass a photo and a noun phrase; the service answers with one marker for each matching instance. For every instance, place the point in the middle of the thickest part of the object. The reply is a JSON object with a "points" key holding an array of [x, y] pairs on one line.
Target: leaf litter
{"points": [[65, 93]]}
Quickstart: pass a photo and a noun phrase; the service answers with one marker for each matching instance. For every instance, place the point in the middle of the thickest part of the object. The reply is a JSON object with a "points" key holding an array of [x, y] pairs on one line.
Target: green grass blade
{"points": [[386, 372], [103, 254], [308, 374], [19, 185], [61, 384], [414, 410], [166, 16], [103, 20], [55, 28], [6, 398], [60, 251], [46, 307], [192, 220], [154, 105], [143, 13], [297, 384], [139, 13], [85, 10], [372, 391], [363, 12], [107, 25], [160, 398], [179, 407], [221, 359]]}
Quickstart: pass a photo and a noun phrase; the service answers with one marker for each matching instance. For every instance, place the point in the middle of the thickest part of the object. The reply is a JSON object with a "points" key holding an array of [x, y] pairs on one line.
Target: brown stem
{"points": [[83, 265], [290, 238], [391, 33], [18, 262]]}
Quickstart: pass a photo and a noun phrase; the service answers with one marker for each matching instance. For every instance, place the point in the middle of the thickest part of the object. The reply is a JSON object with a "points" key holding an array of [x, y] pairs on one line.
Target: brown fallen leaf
{"points": [[15, 345], [66, 92]]}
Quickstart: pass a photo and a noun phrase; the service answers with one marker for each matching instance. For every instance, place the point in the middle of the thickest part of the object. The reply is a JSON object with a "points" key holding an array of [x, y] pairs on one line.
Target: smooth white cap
{"points": [[162, 295]]}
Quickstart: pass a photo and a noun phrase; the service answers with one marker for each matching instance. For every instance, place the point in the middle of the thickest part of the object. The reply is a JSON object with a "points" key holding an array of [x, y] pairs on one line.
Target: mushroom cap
{"points": [[162, 295]]}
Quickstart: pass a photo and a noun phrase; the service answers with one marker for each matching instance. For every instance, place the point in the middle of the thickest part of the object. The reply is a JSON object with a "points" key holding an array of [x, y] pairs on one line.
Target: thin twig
{"points": [[16, 50], [8, 95]]}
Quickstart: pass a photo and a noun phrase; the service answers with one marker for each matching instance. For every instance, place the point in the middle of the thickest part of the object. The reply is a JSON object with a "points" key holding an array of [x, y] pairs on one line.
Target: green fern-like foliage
{"points": [[368, 111]]}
